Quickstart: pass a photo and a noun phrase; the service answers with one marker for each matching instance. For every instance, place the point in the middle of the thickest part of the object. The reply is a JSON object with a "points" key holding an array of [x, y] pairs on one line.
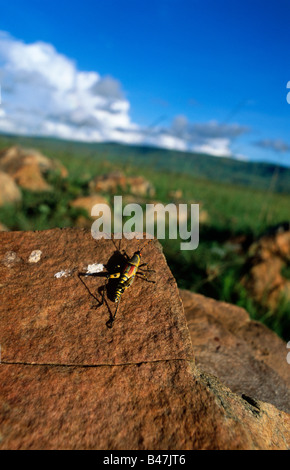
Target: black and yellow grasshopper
{"points": [[126, 277]]}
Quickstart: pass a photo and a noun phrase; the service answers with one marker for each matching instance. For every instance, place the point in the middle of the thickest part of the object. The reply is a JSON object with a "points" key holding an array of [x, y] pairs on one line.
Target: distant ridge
{"points": [[258, 175]]}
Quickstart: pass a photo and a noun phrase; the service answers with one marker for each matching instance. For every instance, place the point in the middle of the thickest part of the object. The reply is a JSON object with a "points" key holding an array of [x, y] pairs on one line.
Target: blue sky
{"points": [[200, 75]]}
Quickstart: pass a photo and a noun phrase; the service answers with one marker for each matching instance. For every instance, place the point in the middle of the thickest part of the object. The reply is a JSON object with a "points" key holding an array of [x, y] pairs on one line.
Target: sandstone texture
{"points": [[244, 354], [158, 405], [56, 314], [70, 382]]}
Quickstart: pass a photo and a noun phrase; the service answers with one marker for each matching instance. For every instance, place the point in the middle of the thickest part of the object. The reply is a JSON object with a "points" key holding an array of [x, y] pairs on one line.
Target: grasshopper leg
{"points": [[105, 289], [112, 318], [145, 278], [148, 270]]}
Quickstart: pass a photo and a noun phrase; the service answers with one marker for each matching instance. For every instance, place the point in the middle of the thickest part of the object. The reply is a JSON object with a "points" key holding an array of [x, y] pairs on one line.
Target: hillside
{"points": [[226, 170]]}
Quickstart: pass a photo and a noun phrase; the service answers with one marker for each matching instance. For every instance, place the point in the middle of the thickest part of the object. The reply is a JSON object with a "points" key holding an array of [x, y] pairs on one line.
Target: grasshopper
{"points": [[126, 277]]}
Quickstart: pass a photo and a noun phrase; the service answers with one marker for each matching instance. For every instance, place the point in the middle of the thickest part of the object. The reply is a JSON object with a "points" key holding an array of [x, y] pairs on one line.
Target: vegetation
{"points": [[242, 200], [225, 170]]}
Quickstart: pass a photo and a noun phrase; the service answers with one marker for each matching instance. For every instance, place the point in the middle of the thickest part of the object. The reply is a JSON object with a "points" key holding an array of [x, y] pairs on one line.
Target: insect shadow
{"points": [[115, 264]]}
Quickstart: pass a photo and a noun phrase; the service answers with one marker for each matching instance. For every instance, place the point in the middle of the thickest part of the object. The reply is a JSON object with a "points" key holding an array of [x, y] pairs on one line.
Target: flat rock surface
{"points": [[244, 354], [50, 315], [161, 405]]}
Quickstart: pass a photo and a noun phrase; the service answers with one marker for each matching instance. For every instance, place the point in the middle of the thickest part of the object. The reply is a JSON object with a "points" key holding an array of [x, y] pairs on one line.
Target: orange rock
{"points": [[150, 406], [3, 228], [141, 187], [267, 257], [69, 382], [87, 203], [108, 183], [29, 167], [175, 194], [30, 177], [244, 354], [112, 182], [9, 191], [156, 331]]}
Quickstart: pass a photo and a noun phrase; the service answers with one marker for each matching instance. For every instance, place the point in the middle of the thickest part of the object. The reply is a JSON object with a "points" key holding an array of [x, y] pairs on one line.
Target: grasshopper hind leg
{"points": [[105, 289]]}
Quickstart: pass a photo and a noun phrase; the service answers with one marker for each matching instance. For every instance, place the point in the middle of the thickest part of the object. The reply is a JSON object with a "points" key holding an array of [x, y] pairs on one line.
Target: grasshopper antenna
{"points": [[145, 244]]}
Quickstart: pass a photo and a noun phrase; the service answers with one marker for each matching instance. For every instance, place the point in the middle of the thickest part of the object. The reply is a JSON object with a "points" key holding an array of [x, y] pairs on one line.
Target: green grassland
{"points": [[225, 170], [241, 199]]}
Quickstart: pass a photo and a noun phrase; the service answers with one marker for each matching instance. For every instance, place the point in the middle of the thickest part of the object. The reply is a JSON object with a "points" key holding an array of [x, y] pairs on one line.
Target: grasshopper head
{"points": [[135, 260]]}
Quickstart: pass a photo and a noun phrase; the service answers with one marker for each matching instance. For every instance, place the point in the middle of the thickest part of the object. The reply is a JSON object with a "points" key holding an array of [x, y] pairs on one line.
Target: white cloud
{"points": [[217, 147], [277, 145], [209, 137], [167, 141], [44, 93]]}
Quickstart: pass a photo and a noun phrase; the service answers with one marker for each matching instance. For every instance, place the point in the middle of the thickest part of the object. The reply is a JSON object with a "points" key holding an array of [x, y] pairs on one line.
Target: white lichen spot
{"points": [[10, 259], [60, 274], [95, 268], [35, 256]]}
